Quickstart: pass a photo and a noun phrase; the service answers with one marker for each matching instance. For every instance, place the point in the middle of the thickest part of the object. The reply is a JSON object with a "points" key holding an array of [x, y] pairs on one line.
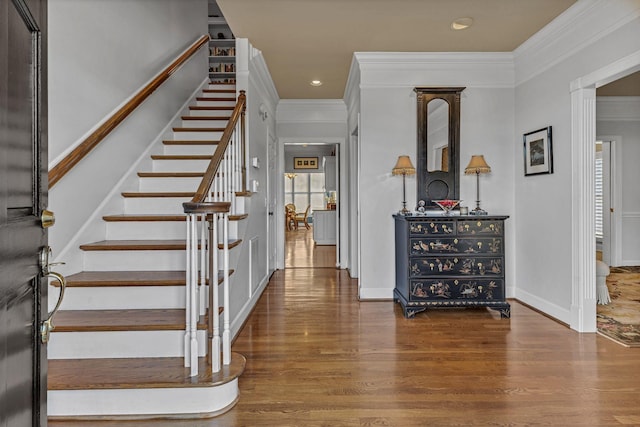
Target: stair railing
{"points": [[106, 127], [210, 208]]}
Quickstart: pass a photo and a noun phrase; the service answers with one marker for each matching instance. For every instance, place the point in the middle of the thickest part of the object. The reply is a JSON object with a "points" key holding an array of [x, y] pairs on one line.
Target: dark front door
{"points": [[23, 189]]}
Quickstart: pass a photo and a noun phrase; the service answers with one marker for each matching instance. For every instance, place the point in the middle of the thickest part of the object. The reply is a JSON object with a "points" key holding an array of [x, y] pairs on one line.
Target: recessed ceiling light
{"points": [[461, 23], [316, 83]]}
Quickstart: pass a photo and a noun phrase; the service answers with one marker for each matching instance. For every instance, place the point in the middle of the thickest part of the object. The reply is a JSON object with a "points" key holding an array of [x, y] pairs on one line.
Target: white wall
{"points": [[100, 53], [589, 36], [253, 77], [388, 128], [620, 117]]}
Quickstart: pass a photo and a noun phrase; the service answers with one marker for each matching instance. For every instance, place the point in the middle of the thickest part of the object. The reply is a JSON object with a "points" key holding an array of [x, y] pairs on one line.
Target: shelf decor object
{"points": [[477, 165], [305, 163], [447, 205], [404, 167], [538, 155]]}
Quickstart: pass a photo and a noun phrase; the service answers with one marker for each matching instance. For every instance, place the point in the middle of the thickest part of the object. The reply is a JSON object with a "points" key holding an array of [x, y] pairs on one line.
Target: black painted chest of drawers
{"points": [[450, 261]]}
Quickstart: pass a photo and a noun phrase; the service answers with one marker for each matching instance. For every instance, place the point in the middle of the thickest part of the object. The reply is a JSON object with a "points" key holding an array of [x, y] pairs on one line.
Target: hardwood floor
{"points": [[318, 357], [301, 251]]}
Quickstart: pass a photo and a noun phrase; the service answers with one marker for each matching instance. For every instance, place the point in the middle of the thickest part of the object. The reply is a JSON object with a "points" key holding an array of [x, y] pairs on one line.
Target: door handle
{"points": [[45, 266]]}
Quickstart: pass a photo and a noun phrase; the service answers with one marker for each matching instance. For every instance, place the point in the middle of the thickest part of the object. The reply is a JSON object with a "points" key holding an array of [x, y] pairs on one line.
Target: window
{"points": [[304, 189], [599, 194]]}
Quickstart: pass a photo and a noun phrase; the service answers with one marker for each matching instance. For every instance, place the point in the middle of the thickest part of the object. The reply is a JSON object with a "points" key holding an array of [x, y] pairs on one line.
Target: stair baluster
{"points": [[213, 201]]}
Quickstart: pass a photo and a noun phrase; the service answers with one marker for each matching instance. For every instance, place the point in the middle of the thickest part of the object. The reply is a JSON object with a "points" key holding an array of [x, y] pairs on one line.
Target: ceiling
{"points": [[304, 40]]}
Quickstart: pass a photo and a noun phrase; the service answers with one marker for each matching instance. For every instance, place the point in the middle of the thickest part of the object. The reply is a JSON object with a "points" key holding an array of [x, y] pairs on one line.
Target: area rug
{"points": [[620, 320]]}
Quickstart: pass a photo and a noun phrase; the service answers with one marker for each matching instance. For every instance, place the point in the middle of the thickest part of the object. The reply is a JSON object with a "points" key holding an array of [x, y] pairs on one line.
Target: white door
{"points": [[272, 189]]}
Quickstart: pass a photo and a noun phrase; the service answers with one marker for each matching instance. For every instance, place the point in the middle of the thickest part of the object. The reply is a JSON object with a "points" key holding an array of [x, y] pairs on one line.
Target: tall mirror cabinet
{"points": [[446, 260]]}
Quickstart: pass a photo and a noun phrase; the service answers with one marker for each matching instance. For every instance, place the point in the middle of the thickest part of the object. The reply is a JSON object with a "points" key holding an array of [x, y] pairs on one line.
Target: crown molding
{"points": [[311, 111], [618, 108], [407, 69], [579, 26]]}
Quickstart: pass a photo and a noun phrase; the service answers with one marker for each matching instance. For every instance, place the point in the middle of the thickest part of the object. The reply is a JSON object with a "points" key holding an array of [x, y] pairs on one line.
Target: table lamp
{"points": [[477, 165], [403, 167]]}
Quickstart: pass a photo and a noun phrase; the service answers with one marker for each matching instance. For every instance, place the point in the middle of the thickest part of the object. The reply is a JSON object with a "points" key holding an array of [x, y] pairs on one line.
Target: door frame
{"points": [[583, 137], [614, 193]]}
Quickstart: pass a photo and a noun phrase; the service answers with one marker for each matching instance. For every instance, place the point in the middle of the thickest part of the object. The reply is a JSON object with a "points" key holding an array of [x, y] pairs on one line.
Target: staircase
{"points": [[118, 348]]}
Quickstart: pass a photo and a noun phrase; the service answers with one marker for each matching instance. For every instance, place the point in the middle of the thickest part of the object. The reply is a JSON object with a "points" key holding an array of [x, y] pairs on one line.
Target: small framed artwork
{"points": [[305, 163], [538, 154]]}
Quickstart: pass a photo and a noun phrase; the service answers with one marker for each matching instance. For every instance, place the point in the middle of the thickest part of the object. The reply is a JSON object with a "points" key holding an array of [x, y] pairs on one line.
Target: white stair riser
{"points": [[139, 230], [222, 86], [154, 205], [202, 103], [180, 165], [211, 113], [122, 297], [197, 136], [119, 344], [205, 123], [169, 183], [207, 149], [141, 401], [134, 260], [140, 260]]}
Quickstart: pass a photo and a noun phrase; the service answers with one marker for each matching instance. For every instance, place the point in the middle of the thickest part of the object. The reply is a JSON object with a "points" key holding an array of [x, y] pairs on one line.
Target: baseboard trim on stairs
{"points": [[173, 394], [145, 403]]}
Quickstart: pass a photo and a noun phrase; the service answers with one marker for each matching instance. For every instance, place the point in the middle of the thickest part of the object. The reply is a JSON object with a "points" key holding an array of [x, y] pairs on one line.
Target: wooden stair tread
{"points": [[211, 108], [219, 91], [123, 320], [189, 142], [158, 194], [87, 279], [170, 174], [238, 217], [181, 129], [188, 118], [215, 98], [159, 217], [143, 245], [181, 156], [137, 373]]}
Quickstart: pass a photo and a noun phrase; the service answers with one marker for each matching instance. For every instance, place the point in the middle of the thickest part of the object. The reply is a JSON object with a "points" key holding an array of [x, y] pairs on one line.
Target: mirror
{"points": [[438, 168], [437, 135]]}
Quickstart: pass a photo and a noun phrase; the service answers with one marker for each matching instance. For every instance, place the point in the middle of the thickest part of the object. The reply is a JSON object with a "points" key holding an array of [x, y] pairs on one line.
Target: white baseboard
{"points": [[553, 310], [375, 293]]}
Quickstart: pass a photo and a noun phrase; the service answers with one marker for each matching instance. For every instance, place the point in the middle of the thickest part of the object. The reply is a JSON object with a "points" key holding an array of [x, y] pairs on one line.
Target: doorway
{"points": [[310, 195], [583, 122]]}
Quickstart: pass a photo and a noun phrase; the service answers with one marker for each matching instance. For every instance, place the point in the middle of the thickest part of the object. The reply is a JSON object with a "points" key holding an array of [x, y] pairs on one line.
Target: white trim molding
{"points": [[583, 136], [618, 108], [579, 26]]}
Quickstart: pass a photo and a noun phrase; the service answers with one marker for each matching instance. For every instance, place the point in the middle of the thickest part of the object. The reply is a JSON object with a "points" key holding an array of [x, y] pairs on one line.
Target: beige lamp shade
{"points": [[477, 164], [403, 166]]}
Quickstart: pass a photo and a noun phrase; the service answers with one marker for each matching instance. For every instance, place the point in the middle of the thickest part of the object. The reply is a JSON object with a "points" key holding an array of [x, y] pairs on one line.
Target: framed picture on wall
{"points": [[305, 163], [538, 154]]}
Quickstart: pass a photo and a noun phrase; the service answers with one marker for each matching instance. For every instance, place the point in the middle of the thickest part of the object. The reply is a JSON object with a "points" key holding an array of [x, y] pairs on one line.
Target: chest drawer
{"points": [[431, 228], [454, 245], [479, 228], [456, 266], [456, 289]]}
